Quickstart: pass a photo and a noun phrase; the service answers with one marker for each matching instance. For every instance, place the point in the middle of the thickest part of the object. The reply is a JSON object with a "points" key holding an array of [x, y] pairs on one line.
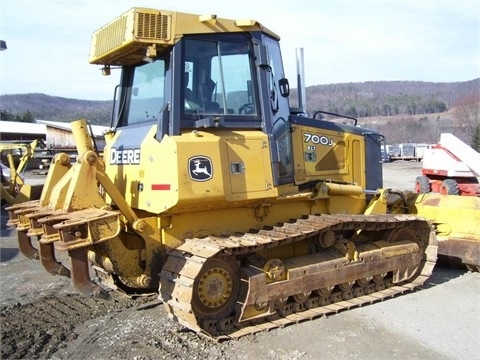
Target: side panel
{"points": [[193, 171], [247, 160], [143, 170], [240, 169], [323, 154], [373, 161], [325, 150]]}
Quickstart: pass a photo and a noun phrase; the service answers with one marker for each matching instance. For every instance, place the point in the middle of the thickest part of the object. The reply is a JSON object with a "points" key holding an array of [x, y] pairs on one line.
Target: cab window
{"points": [[218, 78], [147, 92]]}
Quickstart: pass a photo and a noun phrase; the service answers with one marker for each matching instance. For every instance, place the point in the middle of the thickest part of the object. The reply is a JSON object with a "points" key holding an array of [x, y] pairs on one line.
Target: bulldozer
{"points": [[242, 213], [13, 188]]}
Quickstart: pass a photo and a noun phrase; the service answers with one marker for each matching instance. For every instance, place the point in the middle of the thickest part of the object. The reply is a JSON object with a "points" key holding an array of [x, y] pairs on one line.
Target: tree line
{"points": [[386, 98], [23, 117], [388, 106], [405, 111], [462, 120], [20, 107]]}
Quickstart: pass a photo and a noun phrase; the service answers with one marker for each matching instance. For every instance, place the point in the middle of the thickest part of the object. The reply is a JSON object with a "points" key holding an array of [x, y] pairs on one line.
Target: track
{"points": [[184, 297]]}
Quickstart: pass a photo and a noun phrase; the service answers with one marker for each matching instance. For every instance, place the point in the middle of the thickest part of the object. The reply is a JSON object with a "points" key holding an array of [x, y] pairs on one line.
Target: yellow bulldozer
{"points": [[13, 188], [242, 213]]}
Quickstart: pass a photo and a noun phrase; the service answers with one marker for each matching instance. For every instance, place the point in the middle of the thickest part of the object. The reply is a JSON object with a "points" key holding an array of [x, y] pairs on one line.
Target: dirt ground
{"points": [[42, 317]]}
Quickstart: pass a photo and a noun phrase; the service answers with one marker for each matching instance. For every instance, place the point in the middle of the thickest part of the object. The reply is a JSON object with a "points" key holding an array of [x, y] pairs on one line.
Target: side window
{"points": [[147, 92], [233, 74]]}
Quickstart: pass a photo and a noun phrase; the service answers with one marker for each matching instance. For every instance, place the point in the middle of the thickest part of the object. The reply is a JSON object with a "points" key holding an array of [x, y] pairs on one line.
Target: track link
{"points": [[184, 267]]}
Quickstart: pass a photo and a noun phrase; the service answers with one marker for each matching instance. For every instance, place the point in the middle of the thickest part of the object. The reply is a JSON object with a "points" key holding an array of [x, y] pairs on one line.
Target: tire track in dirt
{"points": [[70, 326], [142, 332], [37, 329]]}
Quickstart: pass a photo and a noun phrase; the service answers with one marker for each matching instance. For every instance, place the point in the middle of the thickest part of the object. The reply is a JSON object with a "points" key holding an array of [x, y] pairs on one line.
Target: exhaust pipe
{"points": [[301, 92]]}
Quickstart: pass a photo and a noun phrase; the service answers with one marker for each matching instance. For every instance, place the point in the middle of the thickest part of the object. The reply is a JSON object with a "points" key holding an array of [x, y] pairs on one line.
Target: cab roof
{"points": [[141, 32]]}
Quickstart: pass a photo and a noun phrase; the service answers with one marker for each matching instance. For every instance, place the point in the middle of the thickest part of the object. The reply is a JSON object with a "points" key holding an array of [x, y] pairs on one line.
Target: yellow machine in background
{"points": [[457, 224], [13, 188], [242, 214]]}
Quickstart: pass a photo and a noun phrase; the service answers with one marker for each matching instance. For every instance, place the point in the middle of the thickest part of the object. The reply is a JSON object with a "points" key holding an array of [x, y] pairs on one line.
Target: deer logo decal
{"points": [[200, 168]]}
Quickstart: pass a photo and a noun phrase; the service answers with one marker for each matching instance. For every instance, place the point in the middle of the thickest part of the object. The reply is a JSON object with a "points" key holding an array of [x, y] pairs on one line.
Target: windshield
{"points": [[218, 78], [147, 97]]}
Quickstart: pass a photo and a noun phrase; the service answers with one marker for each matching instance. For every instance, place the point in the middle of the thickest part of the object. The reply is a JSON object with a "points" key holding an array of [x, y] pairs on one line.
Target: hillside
{"points": [[417, 128], [54, 108], [386, 98], [424, 109]]}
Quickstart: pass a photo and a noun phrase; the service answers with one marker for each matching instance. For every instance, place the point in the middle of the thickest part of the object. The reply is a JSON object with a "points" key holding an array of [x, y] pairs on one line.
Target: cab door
{"points": [[276, 109]]}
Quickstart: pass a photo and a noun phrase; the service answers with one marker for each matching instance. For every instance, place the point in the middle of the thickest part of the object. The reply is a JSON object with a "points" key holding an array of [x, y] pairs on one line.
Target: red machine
{"points": [[451, 168]]}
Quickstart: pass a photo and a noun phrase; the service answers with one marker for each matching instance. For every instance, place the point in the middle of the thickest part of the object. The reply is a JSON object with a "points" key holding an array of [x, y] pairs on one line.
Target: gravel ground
{"points": [[43, 317], [401, 174]]}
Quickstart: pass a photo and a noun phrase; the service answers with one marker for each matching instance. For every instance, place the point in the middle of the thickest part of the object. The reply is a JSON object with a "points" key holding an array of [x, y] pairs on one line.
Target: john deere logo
{"points": [[200, 168]]}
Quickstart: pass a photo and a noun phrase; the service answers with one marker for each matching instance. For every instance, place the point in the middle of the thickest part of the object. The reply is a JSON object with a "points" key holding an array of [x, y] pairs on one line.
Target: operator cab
{"points": [[216, 81], [183, 73], [218, 73]]}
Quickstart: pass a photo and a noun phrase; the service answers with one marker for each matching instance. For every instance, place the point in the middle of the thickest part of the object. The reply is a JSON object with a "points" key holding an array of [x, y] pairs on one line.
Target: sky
{"points": [[48, 41]]}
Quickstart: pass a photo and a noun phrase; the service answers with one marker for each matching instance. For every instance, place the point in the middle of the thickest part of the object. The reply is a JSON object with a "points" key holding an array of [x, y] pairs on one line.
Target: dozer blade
{"points": [[457, 225]]}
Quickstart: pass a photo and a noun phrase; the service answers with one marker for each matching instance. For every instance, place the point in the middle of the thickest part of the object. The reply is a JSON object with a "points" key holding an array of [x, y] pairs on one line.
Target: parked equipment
{"points": [[13, 188], [451, 168], [243, 216], [457, 225]]}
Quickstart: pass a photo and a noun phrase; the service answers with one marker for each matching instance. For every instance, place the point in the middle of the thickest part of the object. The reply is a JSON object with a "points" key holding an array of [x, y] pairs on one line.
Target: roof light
{"points": [[210, 18], [245, 22]]}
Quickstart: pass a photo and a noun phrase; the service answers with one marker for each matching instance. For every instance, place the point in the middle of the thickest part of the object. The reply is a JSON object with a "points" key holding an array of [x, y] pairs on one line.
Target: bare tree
{"points": [[467, 112]]}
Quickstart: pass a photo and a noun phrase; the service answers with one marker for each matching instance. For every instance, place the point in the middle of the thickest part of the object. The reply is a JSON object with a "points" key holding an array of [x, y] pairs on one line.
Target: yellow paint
{"points": [[327, 154], [139, 30], [454, 216]]}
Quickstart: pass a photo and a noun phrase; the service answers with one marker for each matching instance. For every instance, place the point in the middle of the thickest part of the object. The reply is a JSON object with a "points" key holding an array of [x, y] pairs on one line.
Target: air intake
{"points": [[124, 40]]}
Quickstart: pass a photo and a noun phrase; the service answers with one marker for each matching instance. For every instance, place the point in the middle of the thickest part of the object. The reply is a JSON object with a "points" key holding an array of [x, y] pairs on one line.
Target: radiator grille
{"points": [[152, 26], [111, 36], [147, 27]]}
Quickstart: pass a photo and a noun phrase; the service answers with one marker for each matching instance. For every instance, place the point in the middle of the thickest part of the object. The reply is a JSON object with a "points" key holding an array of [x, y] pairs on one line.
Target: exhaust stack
{"points": [[302, 104]]}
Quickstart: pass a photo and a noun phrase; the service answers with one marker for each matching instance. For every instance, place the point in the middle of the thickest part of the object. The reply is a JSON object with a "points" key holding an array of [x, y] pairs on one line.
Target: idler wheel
{"points": [[215, 289]]}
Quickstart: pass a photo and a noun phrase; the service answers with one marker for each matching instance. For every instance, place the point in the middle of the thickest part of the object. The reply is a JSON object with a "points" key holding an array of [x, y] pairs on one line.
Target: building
{"points": [[14, 131], [56, 135]]}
